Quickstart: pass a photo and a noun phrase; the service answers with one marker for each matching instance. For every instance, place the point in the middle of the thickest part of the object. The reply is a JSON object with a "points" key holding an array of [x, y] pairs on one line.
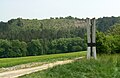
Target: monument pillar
{"points": [[91, 38]]}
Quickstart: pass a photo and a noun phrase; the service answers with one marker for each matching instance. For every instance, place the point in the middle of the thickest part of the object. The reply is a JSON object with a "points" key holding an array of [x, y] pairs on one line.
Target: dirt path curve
{"points": [[17, 73]]}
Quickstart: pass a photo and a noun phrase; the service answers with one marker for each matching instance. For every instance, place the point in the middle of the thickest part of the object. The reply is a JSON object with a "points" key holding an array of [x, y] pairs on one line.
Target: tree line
{"points": [[106, 43], [16, 48]]}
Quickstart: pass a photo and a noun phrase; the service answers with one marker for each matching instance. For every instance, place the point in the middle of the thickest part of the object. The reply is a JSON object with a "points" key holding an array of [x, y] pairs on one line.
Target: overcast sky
{"points": [[40, 9]]}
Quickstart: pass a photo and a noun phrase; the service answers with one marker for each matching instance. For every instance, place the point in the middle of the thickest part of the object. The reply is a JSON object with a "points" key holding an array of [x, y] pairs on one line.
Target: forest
{"points": [[30, 37]]}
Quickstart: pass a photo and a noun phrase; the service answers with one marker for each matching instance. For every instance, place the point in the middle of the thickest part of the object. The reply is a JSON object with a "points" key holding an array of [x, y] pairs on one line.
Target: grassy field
{"points": [[106, 66], [8, 62]]}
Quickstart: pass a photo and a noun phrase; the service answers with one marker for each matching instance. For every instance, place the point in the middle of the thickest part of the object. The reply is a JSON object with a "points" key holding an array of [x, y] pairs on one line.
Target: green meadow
{"points": [[8, 62]]}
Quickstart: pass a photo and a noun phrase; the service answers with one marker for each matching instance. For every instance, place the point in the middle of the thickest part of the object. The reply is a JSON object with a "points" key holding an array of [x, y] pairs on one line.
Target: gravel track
{"points": [[20, 72]]}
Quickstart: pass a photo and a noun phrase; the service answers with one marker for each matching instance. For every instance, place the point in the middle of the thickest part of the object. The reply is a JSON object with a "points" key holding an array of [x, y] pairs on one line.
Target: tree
{"points": [[34, 47], [108, 44], [19, 48], [100, 43], [5, 48]]}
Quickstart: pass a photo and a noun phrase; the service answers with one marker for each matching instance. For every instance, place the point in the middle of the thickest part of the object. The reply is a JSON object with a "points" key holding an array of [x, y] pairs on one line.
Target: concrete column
{"points": [[88, 38], [93, 22]]}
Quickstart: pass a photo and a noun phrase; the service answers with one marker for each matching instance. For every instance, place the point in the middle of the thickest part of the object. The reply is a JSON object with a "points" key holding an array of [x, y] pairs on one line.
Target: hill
{"points": [[54, 28], [26, 30], [105, 23]]}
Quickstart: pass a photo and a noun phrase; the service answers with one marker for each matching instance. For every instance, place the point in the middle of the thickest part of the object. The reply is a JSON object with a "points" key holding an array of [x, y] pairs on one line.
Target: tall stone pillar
{"points": [[88, 38], [93, 23], [91, 38]]}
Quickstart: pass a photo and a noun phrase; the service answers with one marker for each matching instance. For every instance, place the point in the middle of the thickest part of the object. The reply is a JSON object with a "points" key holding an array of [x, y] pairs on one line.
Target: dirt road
{"points": [[20, 72]]}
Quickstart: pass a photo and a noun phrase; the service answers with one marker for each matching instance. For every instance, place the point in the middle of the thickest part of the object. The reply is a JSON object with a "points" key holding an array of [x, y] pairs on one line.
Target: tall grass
{"points": [[106, 66], [7, 62]]}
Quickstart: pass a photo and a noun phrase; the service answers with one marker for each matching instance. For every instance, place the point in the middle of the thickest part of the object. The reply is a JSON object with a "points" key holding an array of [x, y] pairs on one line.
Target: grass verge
{"points": [[8, 62], [106, 66]]}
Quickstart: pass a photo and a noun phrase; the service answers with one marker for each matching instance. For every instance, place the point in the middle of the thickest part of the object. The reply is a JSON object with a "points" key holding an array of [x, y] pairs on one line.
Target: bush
{"points": [[107, 44]]}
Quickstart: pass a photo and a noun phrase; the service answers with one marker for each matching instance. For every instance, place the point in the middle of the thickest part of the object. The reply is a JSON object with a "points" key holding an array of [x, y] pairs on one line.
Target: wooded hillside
{"points": [[26, 30], [25, 37]]}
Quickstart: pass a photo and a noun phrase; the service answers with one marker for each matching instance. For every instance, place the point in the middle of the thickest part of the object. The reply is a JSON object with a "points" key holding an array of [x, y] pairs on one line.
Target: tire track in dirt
{"points": [[20, 72]]}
